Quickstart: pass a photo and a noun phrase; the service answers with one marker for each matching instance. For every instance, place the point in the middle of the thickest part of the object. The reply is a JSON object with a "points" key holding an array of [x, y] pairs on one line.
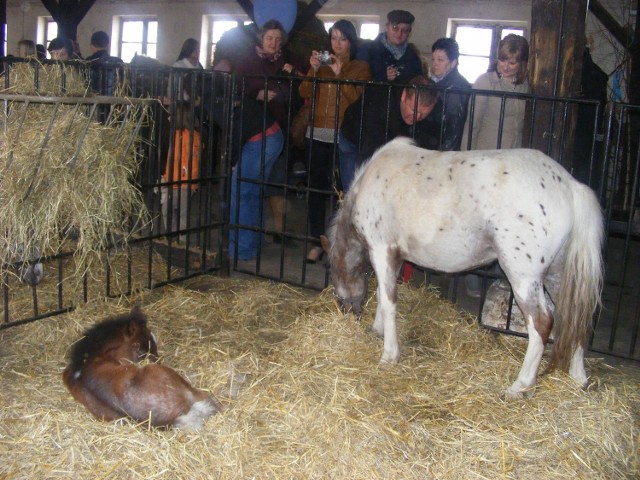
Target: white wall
{"points": [[181, 19]]}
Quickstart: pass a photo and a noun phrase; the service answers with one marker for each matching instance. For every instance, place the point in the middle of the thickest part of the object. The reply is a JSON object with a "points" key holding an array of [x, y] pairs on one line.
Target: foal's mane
{"points": [[94, 339]]}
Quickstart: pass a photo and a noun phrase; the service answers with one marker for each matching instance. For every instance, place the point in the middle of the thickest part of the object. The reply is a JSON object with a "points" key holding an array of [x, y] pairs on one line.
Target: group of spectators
{"points": [[369, 93], [350, 99]]}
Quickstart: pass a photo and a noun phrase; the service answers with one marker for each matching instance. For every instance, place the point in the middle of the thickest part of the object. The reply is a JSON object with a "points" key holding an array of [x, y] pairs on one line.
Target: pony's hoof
{"points": [[389, 360], [519, 394]]}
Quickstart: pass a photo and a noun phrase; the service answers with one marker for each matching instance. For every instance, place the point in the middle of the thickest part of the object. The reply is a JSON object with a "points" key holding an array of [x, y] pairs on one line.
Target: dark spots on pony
{"points": [[450, 178], [529, 256], [505, 173], [428, 178], [542, 183], [463, 162], [520, 216], [518, 248], [542, 260], [543, 210], [473, 165]]}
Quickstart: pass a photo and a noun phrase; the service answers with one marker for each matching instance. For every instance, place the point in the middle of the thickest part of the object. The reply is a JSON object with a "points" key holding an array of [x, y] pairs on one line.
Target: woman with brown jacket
{"points": [[340, 64]]}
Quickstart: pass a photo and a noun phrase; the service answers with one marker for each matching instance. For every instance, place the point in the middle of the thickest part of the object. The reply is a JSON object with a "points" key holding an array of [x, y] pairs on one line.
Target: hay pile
{"points": [[67, 169], [306, 398], [50, 79]]}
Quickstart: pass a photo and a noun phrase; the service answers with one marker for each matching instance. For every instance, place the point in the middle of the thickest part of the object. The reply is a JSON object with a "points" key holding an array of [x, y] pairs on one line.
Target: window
{"points": [[138, 36], [478, 42], [47, 30], [369, 31], [368, 26], [215, 28]]}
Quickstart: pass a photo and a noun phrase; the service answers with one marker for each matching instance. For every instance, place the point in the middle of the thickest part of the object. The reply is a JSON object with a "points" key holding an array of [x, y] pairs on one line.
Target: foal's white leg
{"points": [[385, 321], [528, 372]]}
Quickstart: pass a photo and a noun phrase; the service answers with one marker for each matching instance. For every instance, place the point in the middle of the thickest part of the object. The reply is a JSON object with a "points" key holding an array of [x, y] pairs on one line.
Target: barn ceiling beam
{"points": [[624, 35], [308, 13], [68, 14], [247, 6]]}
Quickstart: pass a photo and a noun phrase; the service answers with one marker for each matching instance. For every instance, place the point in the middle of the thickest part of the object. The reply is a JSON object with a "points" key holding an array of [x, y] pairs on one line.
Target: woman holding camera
{"points": [[328, 111]]}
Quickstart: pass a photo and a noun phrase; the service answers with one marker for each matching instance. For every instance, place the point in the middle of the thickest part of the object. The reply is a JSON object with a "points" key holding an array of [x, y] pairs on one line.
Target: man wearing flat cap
{"points": [[390, 56]]}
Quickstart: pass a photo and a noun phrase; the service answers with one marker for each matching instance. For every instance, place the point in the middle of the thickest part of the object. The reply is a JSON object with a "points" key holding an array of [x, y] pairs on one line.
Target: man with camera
{"points": [[390, 56]]}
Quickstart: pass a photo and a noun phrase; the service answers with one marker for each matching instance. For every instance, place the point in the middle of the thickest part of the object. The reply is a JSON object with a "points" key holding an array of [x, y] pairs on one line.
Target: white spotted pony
{"points": [[454, 211]]}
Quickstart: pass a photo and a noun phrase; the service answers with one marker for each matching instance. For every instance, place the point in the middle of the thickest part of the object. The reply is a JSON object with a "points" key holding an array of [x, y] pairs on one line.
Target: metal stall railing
{"points": [[600, 152], [153, 254]]}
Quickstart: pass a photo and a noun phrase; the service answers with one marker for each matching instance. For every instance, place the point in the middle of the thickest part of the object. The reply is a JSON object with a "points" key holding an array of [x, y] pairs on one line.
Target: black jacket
{"points": [[455, 109], [373, 128]]}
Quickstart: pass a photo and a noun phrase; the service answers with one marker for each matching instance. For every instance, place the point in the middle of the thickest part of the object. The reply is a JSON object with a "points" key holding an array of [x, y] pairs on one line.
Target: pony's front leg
{"points": [[385, 321]]}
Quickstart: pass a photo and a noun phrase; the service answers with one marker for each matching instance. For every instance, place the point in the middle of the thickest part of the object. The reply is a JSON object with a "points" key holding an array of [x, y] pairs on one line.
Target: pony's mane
{"points": [[95, 337]]}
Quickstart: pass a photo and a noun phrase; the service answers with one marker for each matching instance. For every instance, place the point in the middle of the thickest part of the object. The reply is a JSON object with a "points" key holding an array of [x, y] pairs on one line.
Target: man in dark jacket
{"points": [[379, 116], [104, 68], [390, 56]]}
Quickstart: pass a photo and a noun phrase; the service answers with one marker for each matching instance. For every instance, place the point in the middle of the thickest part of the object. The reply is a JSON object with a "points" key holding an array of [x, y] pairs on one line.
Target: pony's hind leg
{"points": [[531, 300], [202, 408]]}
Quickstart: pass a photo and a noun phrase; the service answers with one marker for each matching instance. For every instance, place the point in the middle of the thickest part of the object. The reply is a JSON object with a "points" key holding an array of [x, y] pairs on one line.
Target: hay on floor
{"points": [[307, 399]]}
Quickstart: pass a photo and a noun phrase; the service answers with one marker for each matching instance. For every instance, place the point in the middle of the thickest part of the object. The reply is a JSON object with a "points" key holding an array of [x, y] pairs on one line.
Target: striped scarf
{"points": [[397, 52]]}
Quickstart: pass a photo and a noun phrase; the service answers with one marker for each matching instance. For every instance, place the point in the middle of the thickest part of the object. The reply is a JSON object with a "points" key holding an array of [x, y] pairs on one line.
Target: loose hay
{"points": [[68, 167], [77, 181], [307, 399], [50, 79]]}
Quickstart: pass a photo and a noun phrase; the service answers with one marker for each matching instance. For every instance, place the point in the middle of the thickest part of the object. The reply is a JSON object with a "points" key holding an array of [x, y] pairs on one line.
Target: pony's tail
{"points": [[582, 277]]}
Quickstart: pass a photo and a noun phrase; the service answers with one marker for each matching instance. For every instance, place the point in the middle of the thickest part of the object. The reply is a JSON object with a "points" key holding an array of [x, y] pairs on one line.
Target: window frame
{"points": [[145, 19], [497, 27], [357, 20], [207, 35]]}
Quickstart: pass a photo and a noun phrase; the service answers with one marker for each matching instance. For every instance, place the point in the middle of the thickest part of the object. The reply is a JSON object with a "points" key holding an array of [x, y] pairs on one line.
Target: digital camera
{"points": [[325, 58]]}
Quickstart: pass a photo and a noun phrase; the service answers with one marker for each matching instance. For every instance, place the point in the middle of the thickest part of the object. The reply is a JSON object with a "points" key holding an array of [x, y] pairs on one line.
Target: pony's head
{"points": [[125, 337], [348, 264]]}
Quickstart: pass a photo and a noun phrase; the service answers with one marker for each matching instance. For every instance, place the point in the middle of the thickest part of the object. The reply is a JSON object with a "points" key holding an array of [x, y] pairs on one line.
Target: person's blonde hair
{"points": [[515, 46], [29, 48]]}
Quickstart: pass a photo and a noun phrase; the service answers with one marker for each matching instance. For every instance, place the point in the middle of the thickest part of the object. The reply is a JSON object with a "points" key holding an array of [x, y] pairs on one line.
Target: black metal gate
{"points": [[605, 147]]}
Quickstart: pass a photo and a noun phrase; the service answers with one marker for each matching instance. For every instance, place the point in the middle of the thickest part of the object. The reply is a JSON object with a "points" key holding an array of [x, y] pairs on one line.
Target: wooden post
{"points": [[555, 65]]}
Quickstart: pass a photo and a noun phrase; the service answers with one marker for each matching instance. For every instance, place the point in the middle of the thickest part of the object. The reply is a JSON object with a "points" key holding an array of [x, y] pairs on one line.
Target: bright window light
{"points": [[221, 26], [369, 31]]}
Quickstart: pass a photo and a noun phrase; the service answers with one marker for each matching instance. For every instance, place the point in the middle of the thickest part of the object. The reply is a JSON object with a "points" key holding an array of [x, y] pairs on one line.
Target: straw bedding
{"points": [[306, 398]]}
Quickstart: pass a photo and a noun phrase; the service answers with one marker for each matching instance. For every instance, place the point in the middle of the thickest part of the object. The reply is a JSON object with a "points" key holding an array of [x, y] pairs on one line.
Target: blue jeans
{"points": [[348, 157], [245, 207]]}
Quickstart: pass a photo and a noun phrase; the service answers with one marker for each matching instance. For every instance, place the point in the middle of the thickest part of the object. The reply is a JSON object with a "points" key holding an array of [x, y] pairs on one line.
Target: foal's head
{"points": [[348, 264], [125, 337]]}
